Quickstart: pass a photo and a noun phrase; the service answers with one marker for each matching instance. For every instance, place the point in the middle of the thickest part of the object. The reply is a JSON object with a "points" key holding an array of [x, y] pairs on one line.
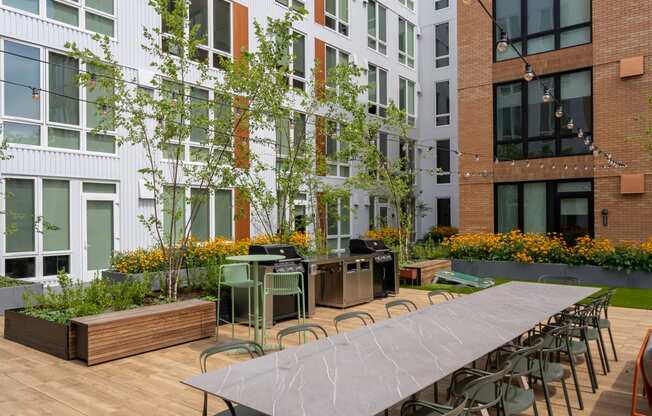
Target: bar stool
{"points": [[236, 276], [283, 284]]}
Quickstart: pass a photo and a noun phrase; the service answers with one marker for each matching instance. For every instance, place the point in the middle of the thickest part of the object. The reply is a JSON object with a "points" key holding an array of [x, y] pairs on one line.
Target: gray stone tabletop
{"points": [[370, 369]]}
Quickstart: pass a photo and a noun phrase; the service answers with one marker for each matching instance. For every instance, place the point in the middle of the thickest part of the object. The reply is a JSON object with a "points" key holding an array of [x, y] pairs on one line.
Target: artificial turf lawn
{"points": [[624, 297]]}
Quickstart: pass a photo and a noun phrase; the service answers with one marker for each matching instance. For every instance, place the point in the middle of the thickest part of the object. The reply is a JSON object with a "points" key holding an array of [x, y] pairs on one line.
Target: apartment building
{"points": [[537, 173], [59, 173]]}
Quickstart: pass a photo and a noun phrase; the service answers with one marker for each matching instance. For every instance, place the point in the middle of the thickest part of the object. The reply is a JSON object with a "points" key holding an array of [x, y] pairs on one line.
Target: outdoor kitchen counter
{"points": [[335, 258]]}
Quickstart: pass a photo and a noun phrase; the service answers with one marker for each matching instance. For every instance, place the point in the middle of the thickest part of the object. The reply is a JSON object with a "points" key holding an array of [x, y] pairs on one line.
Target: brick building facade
{"points": [[552, 193]]}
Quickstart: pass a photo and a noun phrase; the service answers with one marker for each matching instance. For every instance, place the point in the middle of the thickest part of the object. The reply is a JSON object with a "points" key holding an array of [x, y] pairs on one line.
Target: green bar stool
{"points": [[236, 276], [283, 284]]}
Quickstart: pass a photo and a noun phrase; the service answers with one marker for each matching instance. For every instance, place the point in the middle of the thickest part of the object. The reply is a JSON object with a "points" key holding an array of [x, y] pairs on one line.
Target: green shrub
{"points": [[428, 250], [439, 234], [9, 282]]}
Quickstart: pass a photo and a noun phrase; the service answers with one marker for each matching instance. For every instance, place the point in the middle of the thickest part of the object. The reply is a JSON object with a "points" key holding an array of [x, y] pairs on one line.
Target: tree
{"points": [[193, 125]]}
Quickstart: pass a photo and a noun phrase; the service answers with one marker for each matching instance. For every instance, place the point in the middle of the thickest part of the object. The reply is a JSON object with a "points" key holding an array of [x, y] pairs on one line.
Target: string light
{"points": [[571, 124], [547, 96], [529, 73], [560, 112], [580, 133], [93, 81], [503, 43], [477, 157], [35, 94]]}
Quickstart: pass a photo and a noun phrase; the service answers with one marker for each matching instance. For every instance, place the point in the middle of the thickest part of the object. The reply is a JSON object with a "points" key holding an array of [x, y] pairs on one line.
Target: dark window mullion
{"points": [[521, 207], [525, 136], [557, 94], [524, 27], [557, 23]]}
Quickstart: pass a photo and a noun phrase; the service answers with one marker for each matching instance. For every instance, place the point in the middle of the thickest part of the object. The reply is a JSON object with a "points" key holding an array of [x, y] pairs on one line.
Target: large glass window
{"points": [[443, 154], [377, 27], [64, 90], [507, 215], [21, 67], [297, 5], [98, 15], [224, 213], [442, 103], [298, 52], [406, 42], [31, 6], [441, 4], [200, 208], [338, 164], [407, 99], [213, 21], [334, 57], [20, 215], [377, 81], [337, 15], [338, 225], [444, 212], [520, 104], [442, 58], [535, 26], [56, 215]]}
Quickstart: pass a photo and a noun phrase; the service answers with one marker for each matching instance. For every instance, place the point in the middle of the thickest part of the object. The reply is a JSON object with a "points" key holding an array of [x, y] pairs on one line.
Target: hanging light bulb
{"points": [[587, 141], [580, 133], [513, 163], [554, 166], [571, 124], [93, 81], [477, 158], [496, 161], [591, 147], [560, 112], [503, 43], [596, 153], [547, 96], [565, 167], [529, 73], [467, 175], [35, 94], [541, 165], [105, 110], [174, 98], [527, 164]]}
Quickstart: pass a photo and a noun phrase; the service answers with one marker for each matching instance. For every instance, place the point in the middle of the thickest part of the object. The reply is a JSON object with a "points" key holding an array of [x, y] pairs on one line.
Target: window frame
{"points": [[291, 4], [39, 253], [339, 236], [212, 205], [443, 177], [376, 107], [409, 4], [443, 115], [552, 198], [337, 164], [338, 56], [403, 54], [376, 39], [296, 81], [557, 30], [411, 117], [558, 137], [342, 27], [450, 211], [447, 57]]}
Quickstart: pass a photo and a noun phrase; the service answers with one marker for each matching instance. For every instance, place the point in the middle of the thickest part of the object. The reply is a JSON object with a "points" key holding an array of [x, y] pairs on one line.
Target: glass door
{"points": [[100, 230]]}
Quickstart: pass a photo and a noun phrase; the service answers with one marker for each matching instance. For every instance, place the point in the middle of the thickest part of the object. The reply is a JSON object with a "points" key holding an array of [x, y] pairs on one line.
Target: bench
{"points": [[114, 335], [465, 279], [423, 272]]}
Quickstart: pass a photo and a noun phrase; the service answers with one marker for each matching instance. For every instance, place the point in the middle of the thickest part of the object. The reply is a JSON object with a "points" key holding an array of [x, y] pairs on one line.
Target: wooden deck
{"points": [[34, 383]]}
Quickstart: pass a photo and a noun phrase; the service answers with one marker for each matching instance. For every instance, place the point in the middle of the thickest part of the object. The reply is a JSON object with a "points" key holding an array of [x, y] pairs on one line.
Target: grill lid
{"points": [[287, 250], [366, 245]]}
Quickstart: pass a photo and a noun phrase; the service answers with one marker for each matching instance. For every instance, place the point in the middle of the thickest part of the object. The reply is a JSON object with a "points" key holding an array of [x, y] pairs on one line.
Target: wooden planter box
{"points": [[49, 337], [109, 336], [12, 297], [408, 274], [424, 272]]}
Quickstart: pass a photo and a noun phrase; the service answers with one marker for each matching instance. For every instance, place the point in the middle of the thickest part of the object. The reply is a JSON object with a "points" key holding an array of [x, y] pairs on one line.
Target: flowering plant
{"points": [[550, 248], [391, 236]]}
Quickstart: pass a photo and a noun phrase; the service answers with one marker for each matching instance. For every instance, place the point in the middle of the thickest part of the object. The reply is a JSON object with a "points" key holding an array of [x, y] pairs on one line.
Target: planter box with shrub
{"points": [[13, 297]]}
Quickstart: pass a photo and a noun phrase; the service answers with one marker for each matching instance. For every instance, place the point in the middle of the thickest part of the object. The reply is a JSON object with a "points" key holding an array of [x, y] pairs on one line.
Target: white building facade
{"points": [[59, 173]]}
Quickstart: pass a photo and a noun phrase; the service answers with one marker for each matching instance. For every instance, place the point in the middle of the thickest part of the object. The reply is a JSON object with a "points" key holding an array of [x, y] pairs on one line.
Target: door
{"points": [[100, 233], [574, 217]]}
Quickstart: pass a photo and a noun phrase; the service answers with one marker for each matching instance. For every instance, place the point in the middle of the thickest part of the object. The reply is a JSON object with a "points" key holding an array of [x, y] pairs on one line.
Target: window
{"points": [[442, 58], [377, 27], [441, 4], [443, 212], [97, 15], [203, 202], [406, 42], [407, 99], [297, 5], [565, 207], [289, 135], [526, 127], [382, 145], [334, 57], [377, 79], [223, 218], [337, 15], [535, 26], [443, 161], [213, 18], [407, 3], [442, 103], [38, 223], [31, 6], [338, 164], [200, 208], [298, 53], [338, 225], [63, 102]]}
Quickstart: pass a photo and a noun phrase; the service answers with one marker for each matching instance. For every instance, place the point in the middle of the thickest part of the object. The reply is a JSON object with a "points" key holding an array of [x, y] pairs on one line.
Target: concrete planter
{"points": [[157, 278], [588, 275], [13, 297]]}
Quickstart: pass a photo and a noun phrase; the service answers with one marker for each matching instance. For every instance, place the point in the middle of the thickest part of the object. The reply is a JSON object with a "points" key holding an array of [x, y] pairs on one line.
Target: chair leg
{"points": [[436, 392], [591, 369], [546, 396], [248, 313], [603, 354], [219, 301], [232, 313], [577, 384], [566, 398], [264, 323], [534, 407], [613, 346]]}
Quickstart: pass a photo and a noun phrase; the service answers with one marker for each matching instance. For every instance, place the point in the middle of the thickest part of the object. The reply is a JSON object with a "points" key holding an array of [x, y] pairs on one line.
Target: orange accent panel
{"points": [[320, 16], [242, 215], [241, 139], [320, 66], [240, 29], [631, 67], [632, 184]]}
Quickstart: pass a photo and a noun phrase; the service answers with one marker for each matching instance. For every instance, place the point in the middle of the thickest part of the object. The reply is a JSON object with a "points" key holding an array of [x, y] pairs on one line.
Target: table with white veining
{"points": [[372, 368]]}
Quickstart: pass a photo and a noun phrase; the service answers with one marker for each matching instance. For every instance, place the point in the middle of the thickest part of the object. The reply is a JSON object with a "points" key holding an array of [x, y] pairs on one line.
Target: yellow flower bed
{"points": [[550, 248], [389, 235]]}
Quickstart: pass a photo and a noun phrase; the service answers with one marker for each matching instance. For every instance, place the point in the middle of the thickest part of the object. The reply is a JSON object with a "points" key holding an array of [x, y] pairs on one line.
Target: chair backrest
{"points": [[314, 329], [283, 283], [234, 272], [363, 316], [252, 348], [405, 303], [559, 280], [443, 293], [475, 387], [410, 406]]}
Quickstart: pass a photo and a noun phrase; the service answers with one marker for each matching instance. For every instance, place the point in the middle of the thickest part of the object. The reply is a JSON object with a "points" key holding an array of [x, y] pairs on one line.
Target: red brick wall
{"points": [[618, 32]]}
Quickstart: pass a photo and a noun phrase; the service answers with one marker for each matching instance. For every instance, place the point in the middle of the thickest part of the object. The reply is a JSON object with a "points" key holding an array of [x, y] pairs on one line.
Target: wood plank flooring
{"points": [[34, 383]]}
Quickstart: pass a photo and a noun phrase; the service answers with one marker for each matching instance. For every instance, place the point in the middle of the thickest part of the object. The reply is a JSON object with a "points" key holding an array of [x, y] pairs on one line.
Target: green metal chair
{"points": [[603, 319], [236, 276], [284, 284], [559, 280], [314, 329], [254, 350], [443, 293], [363, 316], [423, 408], [484, 390], [405, 303]]}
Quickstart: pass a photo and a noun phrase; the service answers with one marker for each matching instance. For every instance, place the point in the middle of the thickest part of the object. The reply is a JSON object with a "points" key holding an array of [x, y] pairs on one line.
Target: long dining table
{"points": [[368, 370]]}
